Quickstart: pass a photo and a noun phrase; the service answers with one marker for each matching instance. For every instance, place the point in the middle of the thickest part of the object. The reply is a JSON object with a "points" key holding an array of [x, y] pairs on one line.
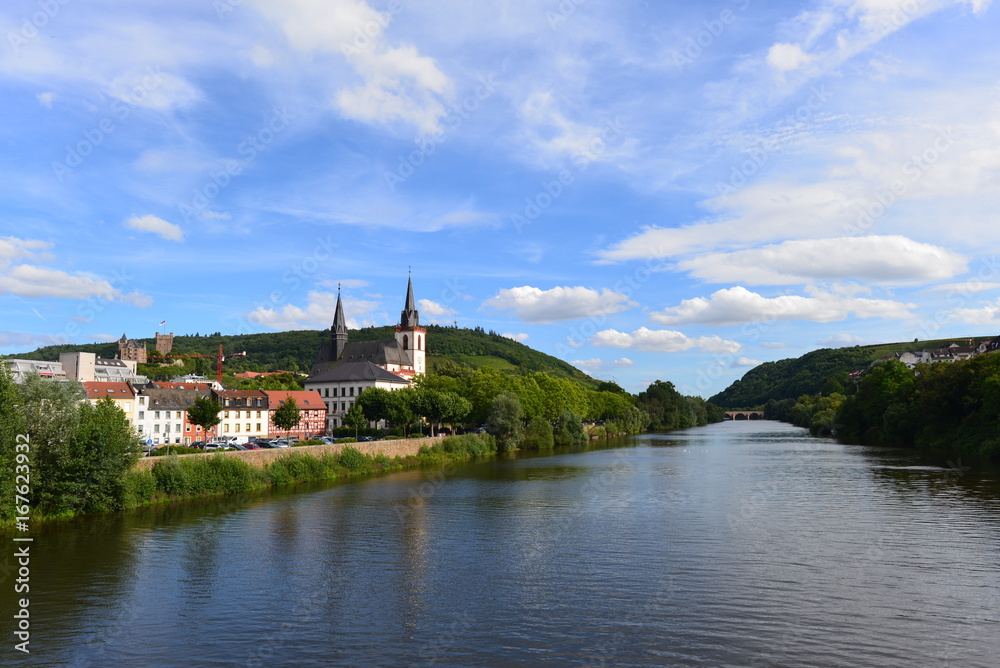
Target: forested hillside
{"points": [[825, 370], [296, 350]]}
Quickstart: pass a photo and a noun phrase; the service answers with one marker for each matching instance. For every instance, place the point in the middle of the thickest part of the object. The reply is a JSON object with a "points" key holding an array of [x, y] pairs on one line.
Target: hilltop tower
{"points": [[410, 336], [165, 342]]}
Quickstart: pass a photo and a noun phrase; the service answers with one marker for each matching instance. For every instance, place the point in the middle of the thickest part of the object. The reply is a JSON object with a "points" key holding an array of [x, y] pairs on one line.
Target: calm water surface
{"points": [[738, 544]]}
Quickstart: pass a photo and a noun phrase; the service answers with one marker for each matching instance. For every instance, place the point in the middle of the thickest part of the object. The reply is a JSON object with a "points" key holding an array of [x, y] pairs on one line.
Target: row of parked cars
{"points": [[230, 443]]}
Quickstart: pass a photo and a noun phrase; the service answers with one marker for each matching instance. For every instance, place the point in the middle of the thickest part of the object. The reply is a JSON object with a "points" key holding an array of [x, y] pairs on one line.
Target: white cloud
{"points": [[520, 337], [988, 314], [561, 303], [773, 345], [787, 57], [399, 84], [555, 136], [36, 282], [875, 259], [45, 99], [157, 226], [138, 299], [597, 365], [435, 313], [662, 341], [12, 248], [317, 313], [735, 305], [744, 362]]}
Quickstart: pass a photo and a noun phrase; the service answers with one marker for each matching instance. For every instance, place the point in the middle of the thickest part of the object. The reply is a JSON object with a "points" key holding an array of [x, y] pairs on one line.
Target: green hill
{"points": [[296, 350], [809, 374]]}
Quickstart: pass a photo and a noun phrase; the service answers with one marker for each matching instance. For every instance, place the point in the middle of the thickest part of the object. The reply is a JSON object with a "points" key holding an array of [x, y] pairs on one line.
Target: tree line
{"points": [[946, 409]]}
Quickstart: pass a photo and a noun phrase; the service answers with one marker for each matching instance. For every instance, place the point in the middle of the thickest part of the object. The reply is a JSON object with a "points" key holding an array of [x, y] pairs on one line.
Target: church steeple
{"points": [[409, 317], [338, 330]]}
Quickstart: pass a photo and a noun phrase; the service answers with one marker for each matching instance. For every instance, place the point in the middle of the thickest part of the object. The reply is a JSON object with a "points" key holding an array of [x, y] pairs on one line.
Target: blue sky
{"points": [[645, 189]]}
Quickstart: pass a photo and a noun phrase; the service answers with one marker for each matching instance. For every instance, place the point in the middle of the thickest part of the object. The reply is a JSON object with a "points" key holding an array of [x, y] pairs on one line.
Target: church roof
{"points": [[353, 371]]}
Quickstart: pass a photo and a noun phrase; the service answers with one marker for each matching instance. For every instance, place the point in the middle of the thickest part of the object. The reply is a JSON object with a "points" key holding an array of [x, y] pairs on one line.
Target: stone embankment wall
{"points": [[398, 448]]}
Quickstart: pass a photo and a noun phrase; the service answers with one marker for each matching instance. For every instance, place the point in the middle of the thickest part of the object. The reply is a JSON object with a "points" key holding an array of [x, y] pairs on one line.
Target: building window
{"points": [[225, 416], [227, 401], [156, 429], [258, 426], [178, 415], [258, 417], [327, 391], [187, 427], [406, 342], [418, 342], [248, 426], [156, 415], [142, 415], [237, 429], [352, 391]]}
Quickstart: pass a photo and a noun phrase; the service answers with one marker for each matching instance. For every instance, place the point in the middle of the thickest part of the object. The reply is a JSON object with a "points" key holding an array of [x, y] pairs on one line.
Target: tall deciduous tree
{"points": [[355, 417], [204, 413], [504, 421], [288, 415]]}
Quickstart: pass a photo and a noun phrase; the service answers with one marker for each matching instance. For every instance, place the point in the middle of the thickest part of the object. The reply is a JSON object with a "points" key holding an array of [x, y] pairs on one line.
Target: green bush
{"points": [[231, 474], [140, 487], [347, 440], [538, 435], [171, 478], [353, 459]]}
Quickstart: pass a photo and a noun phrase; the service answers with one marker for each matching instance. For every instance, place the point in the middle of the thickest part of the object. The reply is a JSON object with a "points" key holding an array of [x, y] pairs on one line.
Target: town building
{"points": [[343, 370], [21, 369], [162, 416], [122, 394], [88, 367], [312, 412], [244, 414]]}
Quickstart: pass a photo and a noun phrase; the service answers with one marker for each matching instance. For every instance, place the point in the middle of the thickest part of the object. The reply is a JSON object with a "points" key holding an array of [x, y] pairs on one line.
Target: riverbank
{"points": [[401, 447]]}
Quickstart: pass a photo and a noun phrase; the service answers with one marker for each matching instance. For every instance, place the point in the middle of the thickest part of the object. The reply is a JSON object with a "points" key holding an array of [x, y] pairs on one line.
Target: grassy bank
{"points": [[174, 478]]}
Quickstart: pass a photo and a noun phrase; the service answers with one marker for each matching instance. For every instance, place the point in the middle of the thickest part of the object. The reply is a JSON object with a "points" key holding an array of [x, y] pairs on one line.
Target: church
{"points": [[343, 370]]}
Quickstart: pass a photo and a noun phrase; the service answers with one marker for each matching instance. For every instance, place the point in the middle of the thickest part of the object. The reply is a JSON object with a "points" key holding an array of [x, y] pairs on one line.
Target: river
{"points": [[736, 544]]}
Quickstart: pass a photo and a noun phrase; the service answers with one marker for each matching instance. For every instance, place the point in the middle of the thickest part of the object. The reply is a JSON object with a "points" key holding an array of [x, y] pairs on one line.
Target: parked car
{"points": [[216, 446], [251, 445], [328, 439], [365, 439], [198, 444]]}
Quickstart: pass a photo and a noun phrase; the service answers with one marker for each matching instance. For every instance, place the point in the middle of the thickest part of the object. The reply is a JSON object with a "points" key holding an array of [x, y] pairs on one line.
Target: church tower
{"points": [[338, 331], [410, 336]]}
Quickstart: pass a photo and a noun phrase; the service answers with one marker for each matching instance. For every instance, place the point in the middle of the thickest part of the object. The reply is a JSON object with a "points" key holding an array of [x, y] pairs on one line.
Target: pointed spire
{"points": [[339, 321], [409, 317]]}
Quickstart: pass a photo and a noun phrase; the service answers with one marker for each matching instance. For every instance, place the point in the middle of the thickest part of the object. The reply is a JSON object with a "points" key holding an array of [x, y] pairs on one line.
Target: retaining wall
{"points": [[397, 448]]}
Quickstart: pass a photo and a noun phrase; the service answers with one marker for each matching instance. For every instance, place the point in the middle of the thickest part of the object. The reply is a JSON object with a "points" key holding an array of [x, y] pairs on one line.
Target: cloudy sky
{"points": [[648, 190]]}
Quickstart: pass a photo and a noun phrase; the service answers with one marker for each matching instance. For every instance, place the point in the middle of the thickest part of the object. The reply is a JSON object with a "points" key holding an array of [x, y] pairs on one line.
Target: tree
{"points": [[104, 448], [504, 421], [204, 413], [438, 406], [399, 409], [11, 426], [374, 403], [570, 429], [288, 415], [355, 417], [538, 434]]}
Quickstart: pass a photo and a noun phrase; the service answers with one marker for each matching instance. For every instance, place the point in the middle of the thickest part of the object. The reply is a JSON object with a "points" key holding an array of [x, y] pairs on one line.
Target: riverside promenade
{"points": [[401, 447]]}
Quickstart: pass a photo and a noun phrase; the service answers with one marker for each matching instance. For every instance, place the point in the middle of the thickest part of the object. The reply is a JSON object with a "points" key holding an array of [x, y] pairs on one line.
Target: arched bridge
{"points": [[744, 415]]}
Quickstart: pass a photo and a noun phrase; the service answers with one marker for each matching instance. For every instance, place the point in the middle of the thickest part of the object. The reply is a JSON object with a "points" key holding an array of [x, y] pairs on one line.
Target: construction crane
{"points": [[219, 357]]}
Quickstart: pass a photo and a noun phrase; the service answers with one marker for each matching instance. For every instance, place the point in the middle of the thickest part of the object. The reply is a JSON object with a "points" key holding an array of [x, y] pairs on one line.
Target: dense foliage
{"points": [[79, 453], [820, 371], [669, 409]]}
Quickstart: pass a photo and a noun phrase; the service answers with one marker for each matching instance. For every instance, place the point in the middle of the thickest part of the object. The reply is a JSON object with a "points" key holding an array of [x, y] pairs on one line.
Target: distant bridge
{"points": [[744, 415]]}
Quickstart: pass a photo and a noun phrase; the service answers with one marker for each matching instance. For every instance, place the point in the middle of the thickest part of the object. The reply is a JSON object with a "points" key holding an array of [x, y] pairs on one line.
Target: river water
{"points": [[736, 544]]}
